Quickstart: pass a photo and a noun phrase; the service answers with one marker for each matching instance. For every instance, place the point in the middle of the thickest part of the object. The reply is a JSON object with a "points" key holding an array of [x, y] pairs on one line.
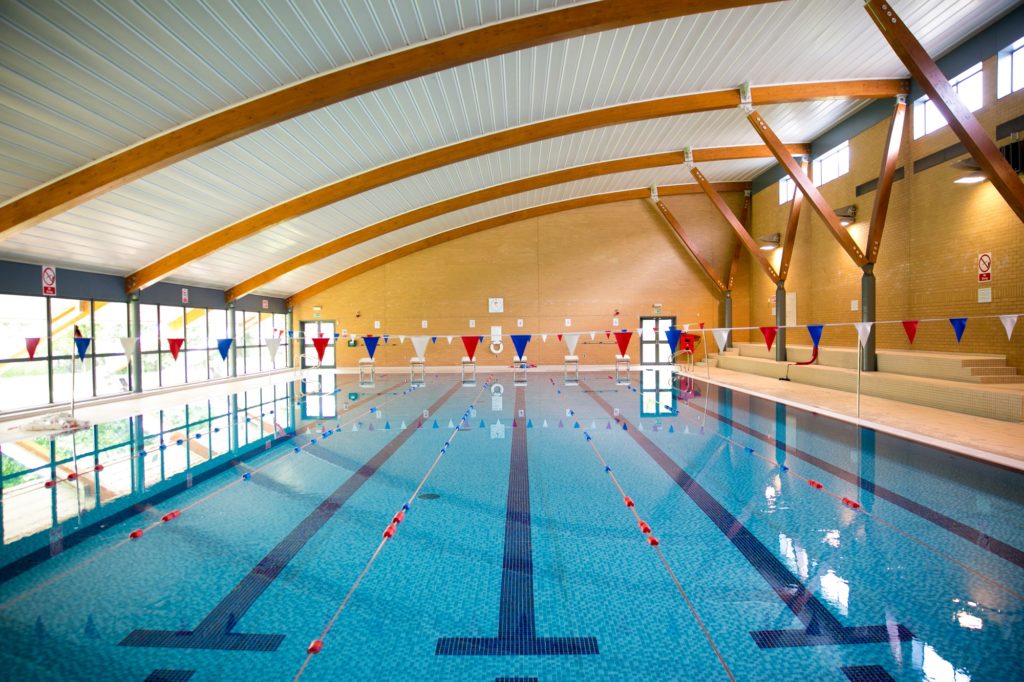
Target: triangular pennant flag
{"points": [[273, 343], [815, 331], [320, 343], [769, 335], [470, 343], [128, 343], [607, 334], [401, 339], [559, 337], [686, 327], [175, 346], [592, 335], [1009, 322], [481, 339], [385, 337], [223, 345], [570, 342], [78, 332], [419, 345], [544, 338], [433, 339], [700, 324], [863, 332], [959, 325], [449, 340], [31, 343], [81, 345], [721, 338], [371, 344], [672, 336], [520, 341], [622, 338], [910, 327]]}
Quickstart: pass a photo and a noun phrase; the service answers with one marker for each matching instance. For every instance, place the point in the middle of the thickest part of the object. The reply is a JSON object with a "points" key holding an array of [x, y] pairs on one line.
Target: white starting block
{"points": [[417, 371], [519, 368], [622, 370], [366, 374], [571, 370], [468, 371]]}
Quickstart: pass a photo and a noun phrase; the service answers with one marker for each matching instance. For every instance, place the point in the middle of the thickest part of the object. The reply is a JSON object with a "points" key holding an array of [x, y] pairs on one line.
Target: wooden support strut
{"points": [[688, 243], [935, 84], [812, 193], [736, 225], [791, 225], [890, 157]]}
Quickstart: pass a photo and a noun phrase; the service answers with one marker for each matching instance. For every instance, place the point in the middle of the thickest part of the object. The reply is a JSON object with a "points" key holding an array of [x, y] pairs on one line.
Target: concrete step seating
{"points": [[948, 381]]}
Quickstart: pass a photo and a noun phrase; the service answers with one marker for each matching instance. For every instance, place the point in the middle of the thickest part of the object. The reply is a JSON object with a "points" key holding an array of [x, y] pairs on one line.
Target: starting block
{"points": [[519, 368], [468, 371], [366, 373], [622, 370], [571, 370], [417, 371]]}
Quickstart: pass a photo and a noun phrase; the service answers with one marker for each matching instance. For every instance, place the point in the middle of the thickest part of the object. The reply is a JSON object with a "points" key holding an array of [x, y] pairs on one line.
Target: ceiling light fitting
{"points": [[770, 242], [847, 215]]}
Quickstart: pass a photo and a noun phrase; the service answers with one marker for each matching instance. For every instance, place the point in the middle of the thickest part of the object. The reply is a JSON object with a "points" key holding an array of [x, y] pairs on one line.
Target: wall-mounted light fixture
{"points": [[770, 242], [847, 215], [971, 172]]}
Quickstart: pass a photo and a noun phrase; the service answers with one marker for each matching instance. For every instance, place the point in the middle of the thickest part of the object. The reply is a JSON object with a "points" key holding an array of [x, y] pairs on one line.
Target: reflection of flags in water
{"points": [[78, 332]]}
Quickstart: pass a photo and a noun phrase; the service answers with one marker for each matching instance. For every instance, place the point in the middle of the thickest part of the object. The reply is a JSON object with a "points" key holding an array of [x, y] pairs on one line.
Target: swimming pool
{"points": [[523, 556]]}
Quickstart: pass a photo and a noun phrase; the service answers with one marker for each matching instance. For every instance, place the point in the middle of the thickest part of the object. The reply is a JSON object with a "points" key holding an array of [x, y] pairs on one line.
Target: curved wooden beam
{"points": [[498, 221], [496, 192], [338, 85], [497, 141]]}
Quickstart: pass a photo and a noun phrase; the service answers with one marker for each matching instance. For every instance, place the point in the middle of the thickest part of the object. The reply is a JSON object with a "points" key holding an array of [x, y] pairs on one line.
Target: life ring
{"points": [[497, 389], [497, 347]]}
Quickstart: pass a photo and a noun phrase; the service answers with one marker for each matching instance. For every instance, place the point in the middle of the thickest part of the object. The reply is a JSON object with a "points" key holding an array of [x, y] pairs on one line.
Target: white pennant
{"points": [[721, 338], [401, 339], [592, 335], [128, 343], [1009, 322], [544, 338], [449, 340], [419, 344], [686, 327], [570, 342], [863, 332], [273, 343]]}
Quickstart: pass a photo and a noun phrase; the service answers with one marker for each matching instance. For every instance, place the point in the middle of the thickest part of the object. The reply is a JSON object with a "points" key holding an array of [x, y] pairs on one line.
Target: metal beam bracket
{"points": [[746, 98], [688, 157], [654, 193]]}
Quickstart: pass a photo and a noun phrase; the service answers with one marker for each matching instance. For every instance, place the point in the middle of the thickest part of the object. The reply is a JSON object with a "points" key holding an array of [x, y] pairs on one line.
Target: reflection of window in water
{"points": [[657, 395]]}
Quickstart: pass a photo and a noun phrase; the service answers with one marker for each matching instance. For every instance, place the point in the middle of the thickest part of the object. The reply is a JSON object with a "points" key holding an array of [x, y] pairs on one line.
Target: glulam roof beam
{"points": [[935, 84], [791, 225], [314, 93], [498, 221], [498, 141], [489, 194], [886, 176]]}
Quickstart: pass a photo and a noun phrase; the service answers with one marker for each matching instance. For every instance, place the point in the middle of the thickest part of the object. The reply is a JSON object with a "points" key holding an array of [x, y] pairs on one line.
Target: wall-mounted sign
{"points": [[184, 295], [49, 275], [984, 267]]}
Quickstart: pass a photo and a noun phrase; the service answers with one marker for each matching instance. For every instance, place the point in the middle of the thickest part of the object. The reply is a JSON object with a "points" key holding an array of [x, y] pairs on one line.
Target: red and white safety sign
{"points": [[984, 267], [49, 276]]}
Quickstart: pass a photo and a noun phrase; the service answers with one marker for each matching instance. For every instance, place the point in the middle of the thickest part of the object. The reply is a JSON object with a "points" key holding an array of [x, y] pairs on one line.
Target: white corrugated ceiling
{"points": [[82, 80]]}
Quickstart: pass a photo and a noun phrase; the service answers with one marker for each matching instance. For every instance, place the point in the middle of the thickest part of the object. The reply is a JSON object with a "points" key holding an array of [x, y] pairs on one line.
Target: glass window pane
{"points": [[21, 317], [195, 329], [111, 324], [112, 374], [66, 314], [149, 338]]}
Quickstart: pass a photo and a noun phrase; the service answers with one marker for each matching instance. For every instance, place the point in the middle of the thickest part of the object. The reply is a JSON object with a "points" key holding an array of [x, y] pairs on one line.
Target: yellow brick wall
{"points": [[582, 264], [927, 262]]}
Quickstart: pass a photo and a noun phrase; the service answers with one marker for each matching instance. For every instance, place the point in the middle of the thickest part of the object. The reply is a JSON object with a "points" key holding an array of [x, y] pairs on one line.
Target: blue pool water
{"points": [[520, 560]]}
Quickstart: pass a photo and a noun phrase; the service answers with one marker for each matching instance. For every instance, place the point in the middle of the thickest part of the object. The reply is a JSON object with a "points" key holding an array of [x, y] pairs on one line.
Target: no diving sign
{"points": [[984, 267], [49, 277]]}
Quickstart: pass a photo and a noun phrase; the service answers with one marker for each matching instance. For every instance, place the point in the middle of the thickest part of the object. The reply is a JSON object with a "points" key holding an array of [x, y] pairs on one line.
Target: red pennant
{"points": [[559, 337], [769, 335], [622, 338], [470, 343], [910, 326], [607, 334], [173, 344], [320, 343], [30, 345], [78, 332], [701, 325]]}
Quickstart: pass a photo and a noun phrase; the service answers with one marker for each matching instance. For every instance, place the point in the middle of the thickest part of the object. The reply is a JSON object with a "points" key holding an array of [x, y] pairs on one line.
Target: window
{"points": [[832, 164], [1011, 69], [786, 187], [967, 85]]}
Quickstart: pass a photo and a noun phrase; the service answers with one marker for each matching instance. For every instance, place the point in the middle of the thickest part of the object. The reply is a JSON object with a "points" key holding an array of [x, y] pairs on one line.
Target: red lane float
{"points": [[136, 534], [644, 528], [652, 541], [389, 532], [171, 515], [814, 484], [853, 504], [629, 501], [398, 518], [98, 467], [72, 477], [49, 484], [315, 647]]}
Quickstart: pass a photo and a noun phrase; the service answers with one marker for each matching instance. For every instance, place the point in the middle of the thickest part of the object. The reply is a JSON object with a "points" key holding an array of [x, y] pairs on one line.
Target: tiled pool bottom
{"points": [[521, 560]]}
